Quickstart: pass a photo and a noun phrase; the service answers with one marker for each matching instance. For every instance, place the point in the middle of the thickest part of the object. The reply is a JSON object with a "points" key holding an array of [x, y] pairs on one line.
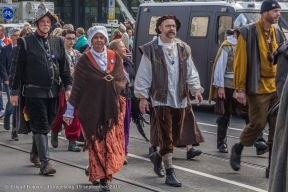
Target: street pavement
{"points": [[210, 171]]}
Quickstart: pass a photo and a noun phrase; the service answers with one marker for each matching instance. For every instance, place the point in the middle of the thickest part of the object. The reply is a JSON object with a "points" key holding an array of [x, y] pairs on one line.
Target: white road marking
{"points": [[211, 125], [206, 175]]}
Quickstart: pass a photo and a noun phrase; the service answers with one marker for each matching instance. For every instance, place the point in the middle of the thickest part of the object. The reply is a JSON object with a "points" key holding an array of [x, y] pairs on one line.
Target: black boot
{"points": [[260, 145], [156, 159], [223, 123], [269, 162], [43, 152], [34, 158], [54, 139], [171, 179], [103, 185], [6, 122], [152, 149]]}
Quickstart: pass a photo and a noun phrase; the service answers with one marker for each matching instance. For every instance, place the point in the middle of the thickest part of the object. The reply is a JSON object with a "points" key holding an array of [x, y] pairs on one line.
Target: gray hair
{"points": [[122, 27], [13, 30]]}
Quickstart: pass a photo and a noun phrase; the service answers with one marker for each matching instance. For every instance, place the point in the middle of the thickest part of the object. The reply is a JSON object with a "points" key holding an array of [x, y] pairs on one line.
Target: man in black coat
{"points": [[5, 65], [38, 64]]}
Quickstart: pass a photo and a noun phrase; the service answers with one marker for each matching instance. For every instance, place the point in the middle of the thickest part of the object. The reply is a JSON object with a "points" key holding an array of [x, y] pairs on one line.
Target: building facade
{"points": [[83, 13]]}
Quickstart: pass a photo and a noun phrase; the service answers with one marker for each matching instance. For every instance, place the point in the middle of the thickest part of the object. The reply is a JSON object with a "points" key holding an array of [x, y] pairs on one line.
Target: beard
{"points": [[271, 19], [171, 35]]}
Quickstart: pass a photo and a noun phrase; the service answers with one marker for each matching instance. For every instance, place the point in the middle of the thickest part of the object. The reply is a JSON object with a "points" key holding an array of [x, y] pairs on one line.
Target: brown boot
{"points": [[36, 161], [47, 170]]}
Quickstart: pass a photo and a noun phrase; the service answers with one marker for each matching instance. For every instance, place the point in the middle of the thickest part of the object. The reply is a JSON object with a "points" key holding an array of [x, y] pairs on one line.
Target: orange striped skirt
{"points": [[110, 151]]}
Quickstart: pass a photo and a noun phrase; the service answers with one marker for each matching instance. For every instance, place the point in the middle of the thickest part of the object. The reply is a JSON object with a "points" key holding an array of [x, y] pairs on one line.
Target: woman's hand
{"points": [[221, 93], [68, 120]]}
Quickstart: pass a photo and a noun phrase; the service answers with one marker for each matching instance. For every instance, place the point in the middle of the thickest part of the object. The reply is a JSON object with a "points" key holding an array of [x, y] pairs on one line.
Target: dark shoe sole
{"points": [[15, 139], [50, 172], [234, 154], [95, 183], [223, 151], [78, 150], [196, 154], [173, 185]]}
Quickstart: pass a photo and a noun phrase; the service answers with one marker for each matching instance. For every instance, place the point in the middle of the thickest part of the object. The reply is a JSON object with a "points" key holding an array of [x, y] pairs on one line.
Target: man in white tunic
{"points": [[166, 75]]}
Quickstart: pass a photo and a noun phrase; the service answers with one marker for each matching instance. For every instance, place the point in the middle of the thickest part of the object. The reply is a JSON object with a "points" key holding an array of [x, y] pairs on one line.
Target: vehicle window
{"points": [[224, 23], [199, 26], [153, 25]]}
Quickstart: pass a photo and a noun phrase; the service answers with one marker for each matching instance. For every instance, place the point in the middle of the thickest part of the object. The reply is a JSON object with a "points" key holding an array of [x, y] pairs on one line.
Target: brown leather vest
{"points": [[231, 52], [159, 86]]}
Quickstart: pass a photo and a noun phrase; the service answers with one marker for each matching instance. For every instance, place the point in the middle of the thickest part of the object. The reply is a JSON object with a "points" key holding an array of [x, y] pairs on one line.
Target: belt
{"points": [[37, 86]]}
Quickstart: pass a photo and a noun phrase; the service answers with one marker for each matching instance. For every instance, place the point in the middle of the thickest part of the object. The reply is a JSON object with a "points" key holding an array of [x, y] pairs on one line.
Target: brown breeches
{"points": [[169, 123], [259, 104]]}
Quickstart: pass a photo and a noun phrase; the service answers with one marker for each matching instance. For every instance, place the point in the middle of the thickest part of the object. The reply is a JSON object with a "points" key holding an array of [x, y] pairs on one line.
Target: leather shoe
{"points": [[193, 153], [54, 139], [35, 161], [223, 148], [152, 149], [235, 160], [47, 170], [73, 146], [156, 159], [171, 179], [103, 186], [261, 147]]}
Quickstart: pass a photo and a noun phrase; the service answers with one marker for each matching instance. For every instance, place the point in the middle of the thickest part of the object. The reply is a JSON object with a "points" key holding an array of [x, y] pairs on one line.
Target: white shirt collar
{"points": [[231, 39]]}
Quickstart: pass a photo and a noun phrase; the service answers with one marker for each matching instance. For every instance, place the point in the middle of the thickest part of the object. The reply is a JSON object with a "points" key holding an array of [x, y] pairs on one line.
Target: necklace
{"points": [[170, 52]]}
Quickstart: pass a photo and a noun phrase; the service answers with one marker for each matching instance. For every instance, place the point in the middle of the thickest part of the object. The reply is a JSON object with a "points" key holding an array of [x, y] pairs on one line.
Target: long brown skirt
{"points": [[191, 133]]}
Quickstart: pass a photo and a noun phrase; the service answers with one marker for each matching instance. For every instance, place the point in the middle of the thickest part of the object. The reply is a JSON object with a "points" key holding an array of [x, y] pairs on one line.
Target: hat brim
{"points": [[48, 14]]}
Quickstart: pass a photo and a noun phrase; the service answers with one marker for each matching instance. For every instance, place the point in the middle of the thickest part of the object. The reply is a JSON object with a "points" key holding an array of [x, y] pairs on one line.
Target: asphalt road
{"points": [[210, 171]]}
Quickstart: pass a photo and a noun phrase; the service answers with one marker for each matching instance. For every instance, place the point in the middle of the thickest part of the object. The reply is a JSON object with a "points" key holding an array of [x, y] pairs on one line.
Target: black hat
{"points": [[230, 31], [165, 17], [268, 5]]}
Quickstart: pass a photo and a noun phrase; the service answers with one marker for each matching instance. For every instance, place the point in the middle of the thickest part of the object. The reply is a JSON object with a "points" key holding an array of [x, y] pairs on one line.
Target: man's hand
{"points": [[241, 98], [143, 105], [221, 93], [72, 70], [67, 94], [6, 82], [198, 98], [14, 100], [68, 120]]}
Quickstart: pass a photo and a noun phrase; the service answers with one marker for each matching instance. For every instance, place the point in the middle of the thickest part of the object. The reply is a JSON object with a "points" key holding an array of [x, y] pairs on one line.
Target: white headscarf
{"points": [[97, 29]]}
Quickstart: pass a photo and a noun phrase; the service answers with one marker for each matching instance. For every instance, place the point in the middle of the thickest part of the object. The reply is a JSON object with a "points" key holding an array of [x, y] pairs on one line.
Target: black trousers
{"points": [[41, 112]]}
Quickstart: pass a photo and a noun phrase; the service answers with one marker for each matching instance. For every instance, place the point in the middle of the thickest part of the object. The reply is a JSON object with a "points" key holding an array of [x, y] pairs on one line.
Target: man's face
{"points": [[44, 24], [15, 36], [98, 41], [69, 40], [2, 33], [168, 28], [272, 16]]}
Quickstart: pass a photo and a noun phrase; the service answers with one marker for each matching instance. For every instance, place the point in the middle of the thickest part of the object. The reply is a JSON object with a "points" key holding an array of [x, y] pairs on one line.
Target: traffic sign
{"points": [[111, 9], [7, 13], [9, 5]]}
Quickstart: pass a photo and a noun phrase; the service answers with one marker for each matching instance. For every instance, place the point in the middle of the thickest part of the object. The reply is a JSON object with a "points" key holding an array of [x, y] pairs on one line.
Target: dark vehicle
{"points": [[203, 27]]}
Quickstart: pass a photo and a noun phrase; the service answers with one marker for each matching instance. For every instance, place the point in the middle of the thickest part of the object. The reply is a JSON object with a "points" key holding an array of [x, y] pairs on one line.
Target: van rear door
{"points": [[198, 37]]}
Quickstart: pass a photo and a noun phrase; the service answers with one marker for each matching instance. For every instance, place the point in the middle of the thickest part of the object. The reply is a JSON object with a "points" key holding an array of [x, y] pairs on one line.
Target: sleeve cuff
{"points": [[68, 88], [14, 92], [69, 111], [139, 96]]}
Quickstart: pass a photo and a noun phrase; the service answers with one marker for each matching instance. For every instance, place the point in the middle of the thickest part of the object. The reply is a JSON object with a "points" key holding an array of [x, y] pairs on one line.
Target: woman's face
{"points": [[98, 42], [121, 50], [130, 33]]}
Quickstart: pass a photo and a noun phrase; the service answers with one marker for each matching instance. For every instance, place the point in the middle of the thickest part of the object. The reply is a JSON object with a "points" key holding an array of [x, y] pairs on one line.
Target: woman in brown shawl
{"points": [[99, 80]]}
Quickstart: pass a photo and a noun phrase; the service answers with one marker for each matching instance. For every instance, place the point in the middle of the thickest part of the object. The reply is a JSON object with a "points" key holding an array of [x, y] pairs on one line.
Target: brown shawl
{"points": [[95, 98]]}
